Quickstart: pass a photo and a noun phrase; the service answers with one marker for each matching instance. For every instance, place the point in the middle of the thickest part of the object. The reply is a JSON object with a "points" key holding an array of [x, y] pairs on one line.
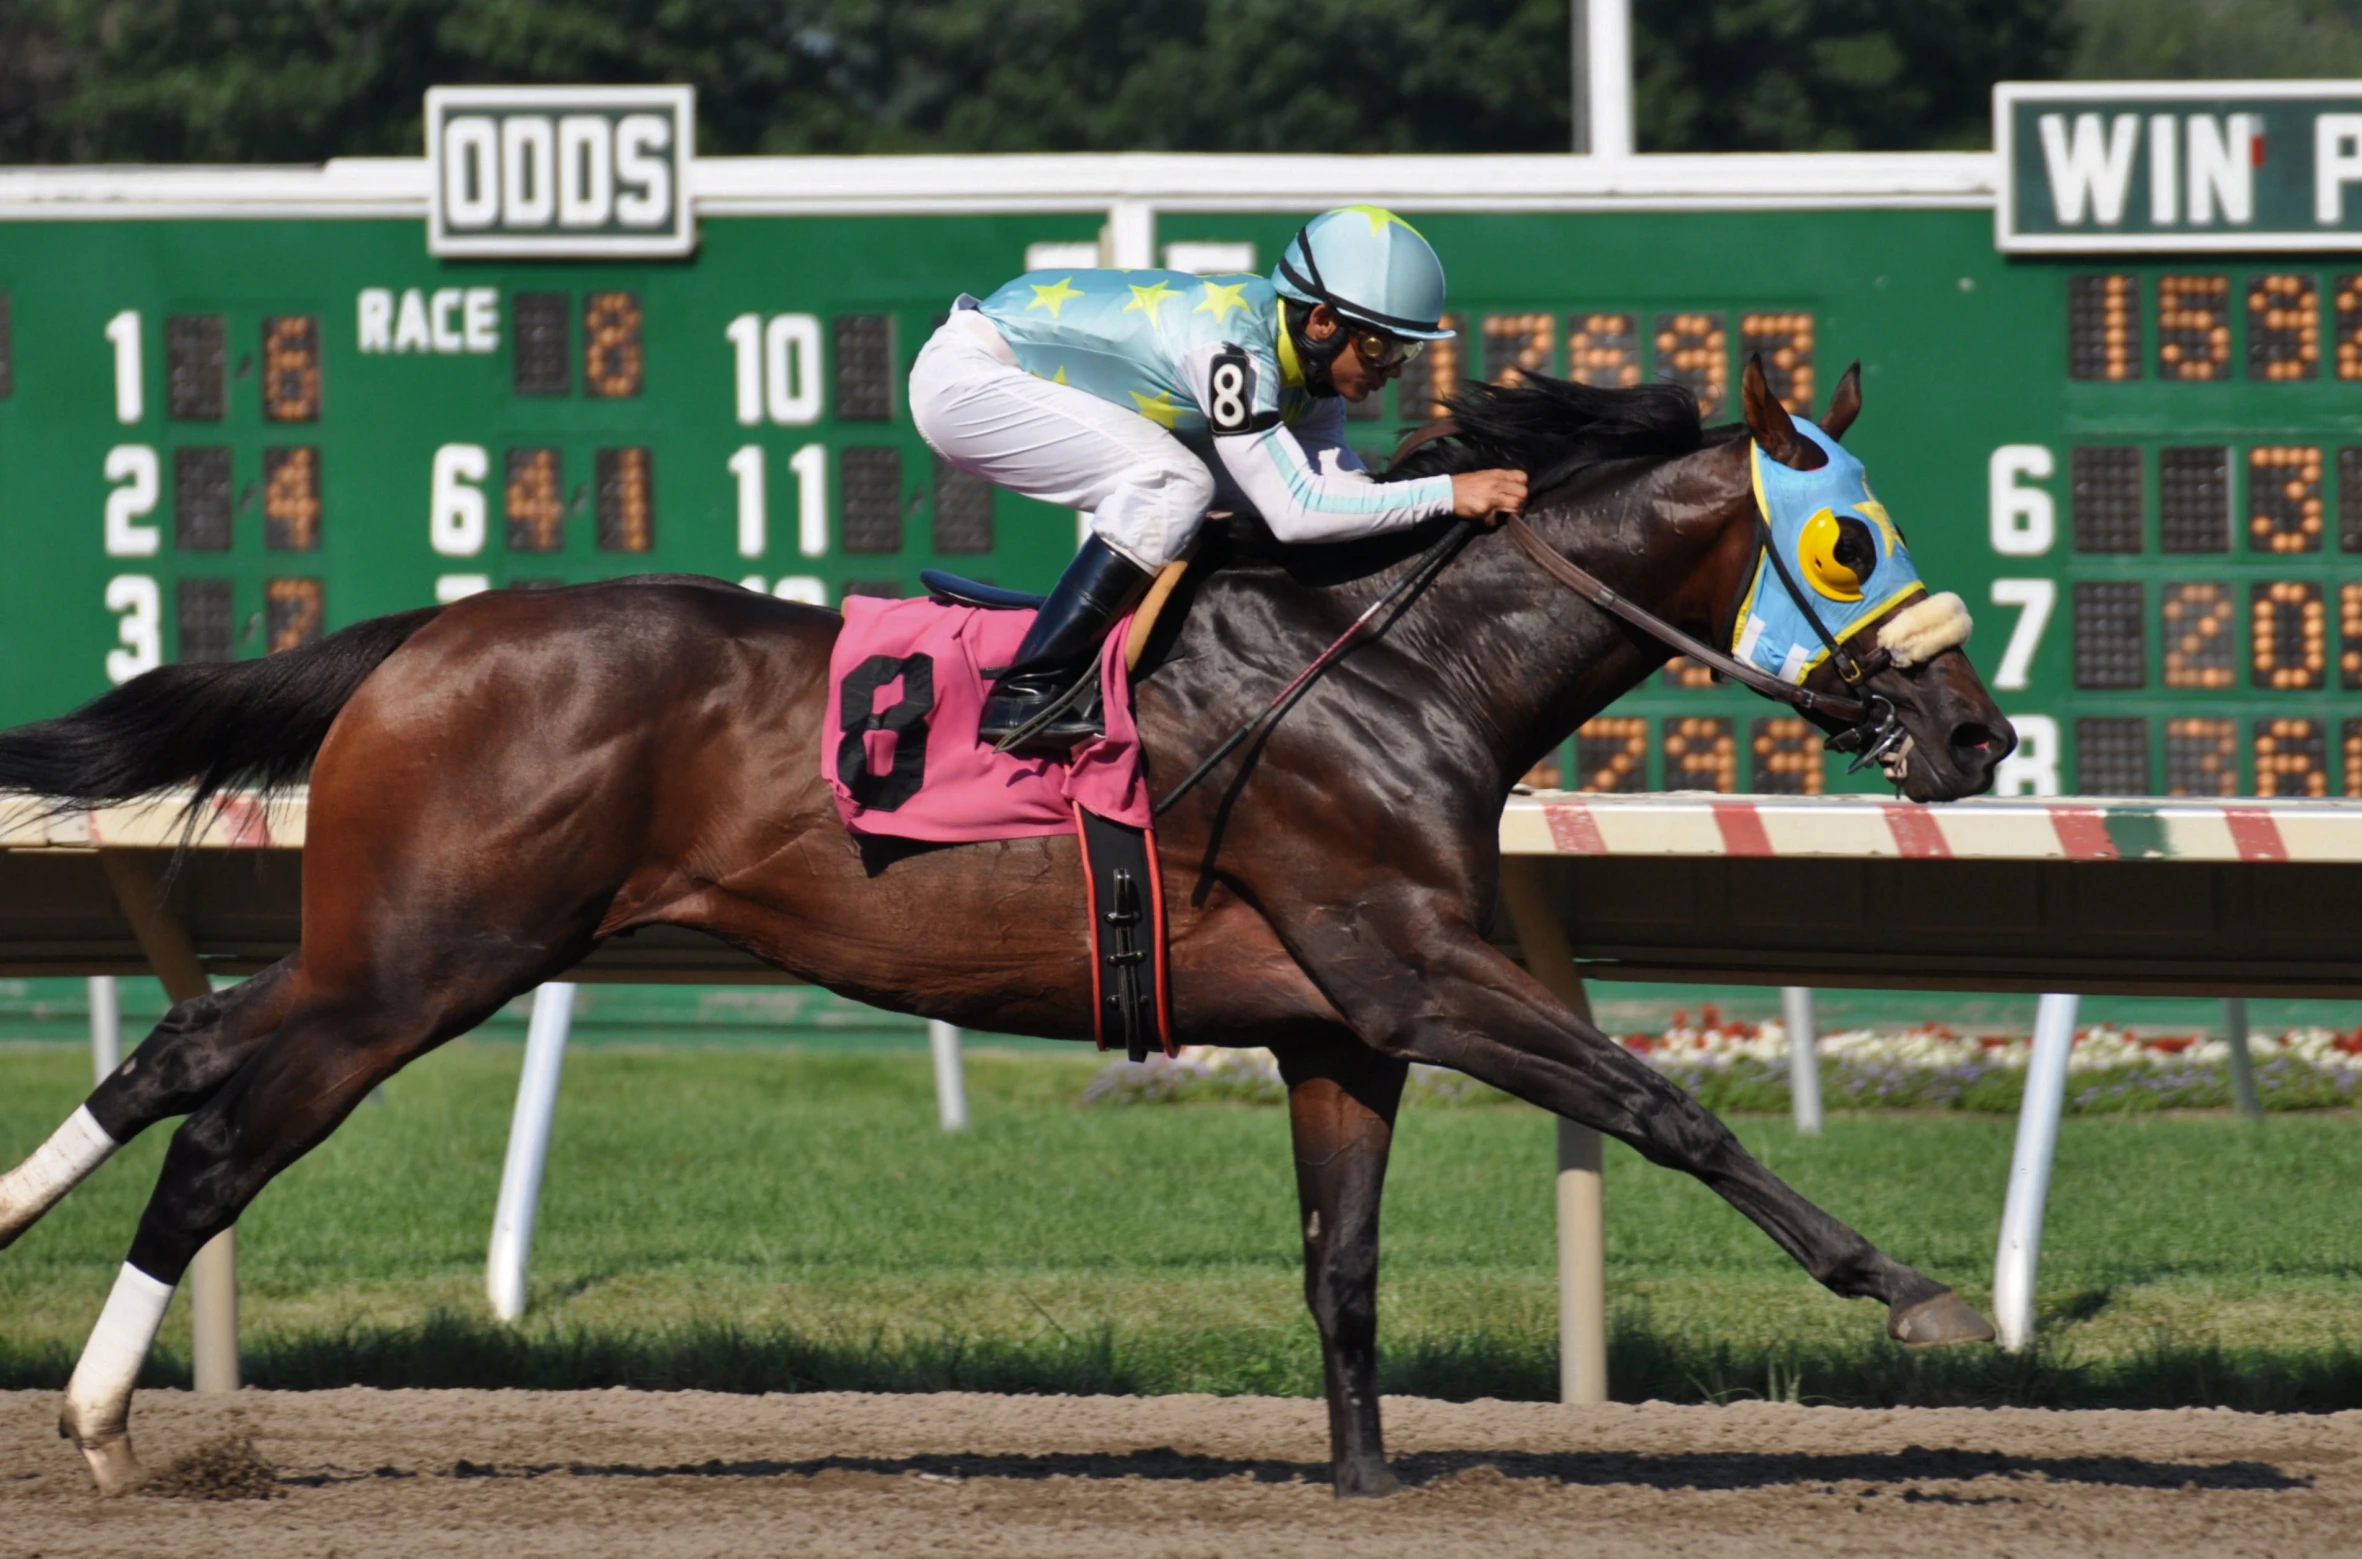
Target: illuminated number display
{"points": [[1515, 345], [291, 368], [627, 500], [2350, 739], [1442, 360], [534, 500], [2104, 327], [2285, 511], [1693, 350], [2349, 633], [1784, 756], [1682, 671], [2194, 327], [2349, 326], [1785, 343], [291, 499], [1603, 350], [2289, 634], [2291, 758], [1549, 774], [1611, 754], [2112, 756], [1701, 753], [613, 363], [2283, 327], [294, 612], [2201, 757], [2198, 650]]}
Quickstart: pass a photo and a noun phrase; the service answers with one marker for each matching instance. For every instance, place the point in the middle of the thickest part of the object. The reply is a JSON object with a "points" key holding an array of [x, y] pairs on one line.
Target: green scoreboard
{"points": [[2112, 375]]}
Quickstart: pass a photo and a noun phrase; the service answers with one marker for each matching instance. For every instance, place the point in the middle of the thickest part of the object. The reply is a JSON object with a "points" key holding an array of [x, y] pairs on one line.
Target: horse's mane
{"points": [[1553, 429]]}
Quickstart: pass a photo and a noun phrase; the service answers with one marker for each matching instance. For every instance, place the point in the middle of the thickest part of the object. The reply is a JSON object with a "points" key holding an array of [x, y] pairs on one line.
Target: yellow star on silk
{"points": [[1054, 296], [1219, 300], [1145, 299], [1378, 217], [1157, 408]]}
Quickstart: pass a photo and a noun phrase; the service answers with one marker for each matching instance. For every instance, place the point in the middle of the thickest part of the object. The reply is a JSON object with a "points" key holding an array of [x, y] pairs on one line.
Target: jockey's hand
{"points": [[1485, 495]]}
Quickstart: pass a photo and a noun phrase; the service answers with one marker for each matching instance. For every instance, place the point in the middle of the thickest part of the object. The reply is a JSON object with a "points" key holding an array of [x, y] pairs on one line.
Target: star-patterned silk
{"points": [[1121, 336]]}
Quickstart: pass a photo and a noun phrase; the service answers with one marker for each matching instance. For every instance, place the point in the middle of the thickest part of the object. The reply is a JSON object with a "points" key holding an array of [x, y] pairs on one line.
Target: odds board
{"points": [[234, 418]]}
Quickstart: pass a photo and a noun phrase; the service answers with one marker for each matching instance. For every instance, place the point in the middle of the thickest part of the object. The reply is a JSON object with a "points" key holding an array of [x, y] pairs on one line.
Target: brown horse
{"points": [[500, 784]]}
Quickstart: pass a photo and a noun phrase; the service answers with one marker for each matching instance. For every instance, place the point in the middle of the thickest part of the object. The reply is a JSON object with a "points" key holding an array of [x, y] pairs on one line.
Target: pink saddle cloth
{"points": [[906, 689]]}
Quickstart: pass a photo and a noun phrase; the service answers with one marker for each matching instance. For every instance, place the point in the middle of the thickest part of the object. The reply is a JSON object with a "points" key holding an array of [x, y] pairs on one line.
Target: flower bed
{"points": [[1735, 1066]]}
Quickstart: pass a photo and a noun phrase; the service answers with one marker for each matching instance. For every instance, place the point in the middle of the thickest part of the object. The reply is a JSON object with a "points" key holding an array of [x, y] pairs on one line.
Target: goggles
{"points": [[1383, 352]]}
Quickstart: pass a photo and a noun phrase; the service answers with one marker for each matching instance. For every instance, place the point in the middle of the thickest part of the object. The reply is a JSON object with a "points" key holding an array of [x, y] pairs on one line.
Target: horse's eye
{"points": [[1856, 548]]}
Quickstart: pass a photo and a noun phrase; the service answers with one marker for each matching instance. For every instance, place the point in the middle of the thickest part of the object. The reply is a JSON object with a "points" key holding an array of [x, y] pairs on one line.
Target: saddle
{"points": [[1123, 894], [955, 591]]}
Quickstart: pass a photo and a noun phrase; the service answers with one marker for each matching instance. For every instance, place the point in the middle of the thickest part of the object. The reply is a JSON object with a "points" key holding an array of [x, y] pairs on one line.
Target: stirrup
{"points": [[1048, 715]]}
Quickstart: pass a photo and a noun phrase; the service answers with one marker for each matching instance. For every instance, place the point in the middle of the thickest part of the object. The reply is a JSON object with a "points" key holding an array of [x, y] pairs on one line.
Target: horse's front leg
{"points": [[1416, 981], [1341, 1101]]}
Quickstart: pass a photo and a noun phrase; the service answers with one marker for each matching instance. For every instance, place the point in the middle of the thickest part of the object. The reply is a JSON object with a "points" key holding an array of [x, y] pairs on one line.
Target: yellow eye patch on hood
{"points": [[1816, 549]]}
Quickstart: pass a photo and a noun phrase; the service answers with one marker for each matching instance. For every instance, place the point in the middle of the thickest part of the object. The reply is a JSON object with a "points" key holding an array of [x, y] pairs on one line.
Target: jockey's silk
{"points": [[1772, 631], [1123, 337], [906, 680]]}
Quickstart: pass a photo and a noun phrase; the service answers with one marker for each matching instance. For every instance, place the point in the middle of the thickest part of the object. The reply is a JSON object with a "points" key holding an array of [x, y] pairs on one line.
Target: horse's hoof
{"points": [[1940, 1322], [112, 1465], [1371, 1482]]}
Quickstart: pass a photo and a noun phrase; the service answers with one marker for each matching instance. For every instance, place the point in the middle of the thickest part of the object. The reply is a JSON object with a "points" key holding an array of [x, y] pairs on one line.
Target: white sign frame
{"points": [[678, 103], [2006, 238]]}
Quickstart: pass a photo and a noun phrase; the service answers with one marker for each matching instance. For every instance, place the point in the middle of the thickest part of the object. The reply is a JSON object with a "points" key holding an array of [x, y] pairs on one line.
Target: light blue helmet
{"points": [[1370, 266]]}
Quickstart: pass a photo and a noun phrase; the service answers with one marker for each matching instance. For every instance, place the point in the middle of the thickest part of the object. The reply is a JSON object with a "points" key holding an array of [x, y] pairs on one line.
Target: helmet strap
{"points": [[1316, 358]]}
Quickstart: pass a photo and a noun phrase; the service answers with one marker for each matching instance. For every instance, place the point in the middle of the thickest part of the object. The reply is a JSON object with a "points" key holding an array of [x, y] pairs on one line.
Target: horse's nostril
{"points": [[1975, 741]]}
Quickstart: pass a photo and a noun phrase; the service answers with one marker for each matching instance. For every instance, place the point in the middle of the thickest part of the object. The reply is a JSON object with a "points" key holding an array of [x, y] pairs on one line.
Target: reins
{"points": [[1872, 728]]}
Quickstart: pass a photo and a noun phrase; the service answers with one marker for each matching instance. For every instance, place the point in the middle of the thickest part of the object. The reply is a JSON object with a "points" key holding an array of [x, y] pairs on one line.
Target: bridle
{"points": [[1873, 731]]}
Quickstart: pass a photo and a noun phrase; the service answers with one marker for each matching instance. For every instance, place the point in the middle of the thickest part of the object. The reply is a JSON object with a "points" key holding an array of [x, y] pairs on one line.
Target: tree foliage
{"points": [[302, 80]]}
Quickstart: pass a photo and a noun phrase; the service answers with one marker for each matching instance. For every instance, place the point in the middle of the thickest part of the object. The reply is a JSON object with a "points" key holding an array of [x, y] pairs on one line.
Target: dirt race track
{"points": [[519, 1474]]}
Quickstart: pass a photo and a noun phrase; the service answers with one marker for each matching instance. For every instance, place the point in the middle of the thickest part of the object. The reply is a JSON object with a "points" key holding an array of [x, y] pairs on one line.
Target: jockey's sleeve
{"points": [[1305, 481]]}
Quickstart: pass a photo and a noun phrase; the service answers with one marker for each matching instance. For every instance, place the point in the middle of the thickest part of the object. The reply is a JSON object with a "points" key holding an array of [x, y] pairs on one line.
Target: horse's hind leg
{"points": [[322, 1061], [1341, 1101], [188, 1055]]}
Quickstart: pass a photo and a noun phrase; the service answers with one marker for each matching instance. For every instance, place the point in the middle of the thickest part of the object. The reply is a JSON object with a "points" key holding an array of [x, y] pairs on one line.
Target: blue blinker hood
{"points": [[1773, 629]]}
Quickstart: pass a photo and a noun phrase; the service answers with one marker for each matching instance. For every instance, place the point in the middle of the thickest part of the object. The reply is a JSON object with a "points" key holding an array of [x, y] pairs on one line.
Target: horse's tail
{"points": [[209, 725]]}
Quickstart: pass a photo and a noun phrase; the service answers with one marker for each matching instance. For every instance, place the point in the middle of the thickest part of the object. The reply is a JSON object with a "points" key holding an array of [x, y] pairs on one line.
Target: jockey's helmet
{"points": [[1372, 267]]}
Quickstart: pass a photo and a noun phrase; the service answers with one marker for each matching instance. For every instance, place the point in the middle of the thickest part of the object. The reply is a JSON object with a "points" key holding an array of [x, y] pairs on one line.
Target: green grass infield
{"points": [[791, 1220]]}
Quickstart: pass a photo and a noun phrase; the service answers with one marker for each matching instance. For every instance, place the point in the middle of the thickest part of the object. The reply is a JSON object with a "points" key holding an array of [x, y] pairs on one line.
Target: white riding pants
{"points": [[1144, 492]]}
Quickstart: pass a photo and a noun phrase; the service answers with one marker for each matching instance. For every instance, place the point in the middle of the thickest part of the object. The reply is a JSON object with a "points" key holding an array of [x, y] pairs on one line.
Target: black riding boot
{"points": [[1061, 649]]}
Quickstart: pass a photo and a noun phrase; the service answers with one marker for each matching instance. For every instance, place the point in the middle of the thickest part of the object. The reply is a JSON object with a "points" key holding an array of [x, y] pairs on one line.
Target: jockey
{"points": [[1146, 398]]}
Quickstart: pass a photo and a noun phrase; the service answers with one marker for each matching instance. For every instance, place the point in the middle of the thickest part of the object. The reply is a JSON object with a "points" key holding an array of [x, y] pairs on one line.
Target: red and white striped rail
{"points": [[1693, 823]]}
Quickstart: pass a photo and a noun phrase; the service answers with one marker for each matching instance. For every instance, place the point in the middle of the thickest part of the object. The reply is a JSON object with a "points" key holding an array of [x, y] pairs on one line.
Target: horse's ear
{"points": [[1846, 404], [1775, 432]]}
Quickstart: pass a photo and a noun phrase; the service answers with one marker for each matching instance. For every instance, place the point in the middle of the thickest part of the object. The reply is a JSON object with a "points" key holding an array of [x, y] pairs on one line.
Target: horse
{"points": [[500, 784]]}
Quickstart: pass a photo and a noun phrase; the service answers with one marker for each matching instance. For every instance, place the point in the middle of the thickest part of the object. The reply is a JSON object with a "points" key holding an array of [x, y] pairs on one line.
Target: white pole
{"points": [[1582, 1266], [2242, 1063], [1607, 76], [951, 1082], [106, 1027], [2015, 1262], [528, 1149], [1129, 243], [1804, 1057]]}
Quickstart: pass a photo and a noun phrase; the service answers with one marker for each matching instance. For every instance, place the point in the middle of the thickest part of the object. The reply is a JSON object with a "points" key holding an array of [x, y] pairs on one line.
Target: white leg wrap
{"points": [[98, 1398], [56, 1167]]}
